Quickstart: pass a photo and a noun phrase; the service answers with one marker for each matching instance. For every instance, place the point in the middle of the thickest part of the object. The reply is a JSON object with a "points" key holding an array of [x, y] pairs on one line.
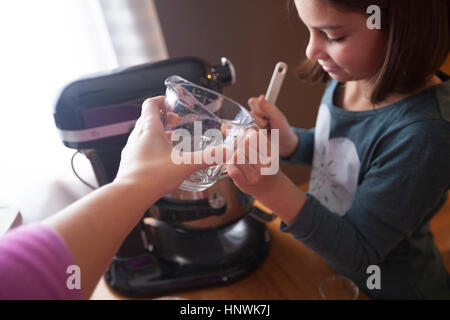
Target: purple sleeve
{"points": [[33, 265]]}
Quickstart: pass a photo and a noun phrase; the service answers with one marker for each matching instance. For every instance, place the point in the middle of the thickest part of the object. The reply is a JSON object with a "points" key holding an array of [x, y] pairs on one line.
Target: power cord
{"points": [[75, 172]]}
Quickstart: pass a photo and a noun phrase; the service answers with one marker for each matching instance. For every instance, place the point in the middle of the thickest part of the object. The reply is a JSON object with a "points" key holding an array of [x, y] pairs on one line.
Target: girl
{"points": [[380, 150]]}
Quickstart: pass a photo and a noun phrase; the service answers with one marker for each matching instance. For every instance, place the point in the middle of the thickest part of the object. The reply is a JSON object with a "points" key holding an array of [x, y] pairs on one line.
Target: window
{"points": [[45, 45]]}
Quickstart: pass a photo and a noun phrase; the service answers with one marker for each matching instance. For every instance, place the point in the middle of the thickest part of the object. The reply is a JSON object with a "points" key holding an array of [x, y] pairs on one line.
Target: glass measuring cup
{"points": [[337, 287], [200, 112]]}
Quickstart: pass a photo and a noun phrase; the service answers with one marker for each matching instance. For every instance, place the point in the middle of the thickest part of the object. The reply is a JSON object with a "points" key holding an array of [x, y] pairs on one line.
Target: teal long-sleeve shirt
{"points": [[377, 179]]}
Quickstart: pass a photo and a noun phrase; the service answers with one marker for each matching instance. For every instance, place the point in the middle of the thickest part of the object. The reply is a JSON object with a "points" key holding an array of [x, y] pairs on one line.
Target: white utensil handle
{"points": [[275, 83]]}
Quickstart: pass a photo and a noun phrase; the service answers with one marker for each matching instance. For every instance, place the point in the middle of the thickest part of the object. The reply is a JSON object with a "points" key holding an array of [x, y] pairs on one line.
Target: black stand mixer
{"points": [[187, 239]]}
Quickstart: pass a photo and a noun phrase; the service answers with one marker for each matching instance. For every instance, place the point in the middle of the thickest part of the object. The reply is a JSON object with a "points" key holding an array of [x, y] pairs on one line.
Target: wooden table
{"points": [[291, 271]]}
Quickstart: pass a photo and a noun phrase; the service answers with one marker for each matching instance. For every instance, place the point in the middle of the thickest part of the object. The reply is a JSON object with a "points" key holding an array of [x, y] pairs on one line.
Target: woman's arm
{"points": [[95, 226]]}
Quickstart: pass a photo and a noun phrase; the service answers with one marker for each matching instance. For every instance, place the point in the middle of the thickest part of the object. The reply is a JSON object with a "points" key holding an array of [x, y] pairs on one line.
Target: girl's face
{"points": [[341, 42]]}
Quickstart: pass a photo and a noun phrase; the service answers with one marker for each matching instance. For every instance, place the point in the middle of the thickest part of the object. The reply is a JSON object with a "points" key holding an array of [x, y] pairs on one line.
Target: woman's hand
{"points": [[95, 226], [146, 158], [268, 116]]}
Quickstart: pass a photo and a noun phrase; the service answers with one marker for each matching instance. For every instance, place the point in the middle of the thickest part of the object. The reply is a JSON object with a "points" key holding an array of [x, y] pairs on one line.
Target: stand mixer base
{"points": [[177, 260]]}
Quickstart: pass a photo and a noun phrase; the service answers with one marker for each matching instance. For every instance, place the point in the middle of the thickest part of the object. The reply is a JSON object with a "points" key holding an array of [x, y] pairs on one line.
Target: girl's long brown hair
{"points": [[418, 44]]}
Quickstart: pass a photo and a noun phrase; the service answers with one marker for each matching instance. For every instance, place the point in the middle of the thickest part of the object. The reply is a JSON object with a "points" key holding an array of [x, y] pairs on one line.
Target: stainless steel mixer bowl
{"points": [[217, 206]]}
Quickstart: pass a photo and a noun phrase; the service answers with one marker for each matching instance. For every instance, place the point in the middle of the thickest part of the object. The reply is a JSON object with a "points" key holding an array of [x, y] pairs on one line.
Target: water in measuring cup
{"points": [[204, 178]]}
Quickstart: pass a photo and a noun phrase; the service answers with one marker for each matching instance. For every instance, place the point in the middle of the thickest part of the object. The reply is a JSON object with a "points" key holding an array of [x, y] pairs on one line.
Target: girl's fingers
{"points": [[262, 111], [253, 154], [256, 109], [249, 172], [264, 105], [236, 174], [258, 113], [261, 121], [242, 157], [252, 102], [255, 106], [270, 111]]}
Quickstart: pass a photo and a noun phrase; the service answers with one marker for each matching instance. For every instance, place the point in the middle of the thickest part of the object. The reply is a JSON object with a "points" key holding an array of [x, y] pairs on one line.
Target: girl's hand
{"points": [[277, 192], [146, 158], [268, 116], [247, 176]]}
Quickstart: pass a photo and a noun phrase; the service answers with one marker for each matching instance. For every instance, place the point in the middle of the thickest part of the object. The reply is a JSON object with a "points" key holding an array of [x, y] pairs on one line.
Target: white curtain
{"points": [[134, 29], [44, 45]]}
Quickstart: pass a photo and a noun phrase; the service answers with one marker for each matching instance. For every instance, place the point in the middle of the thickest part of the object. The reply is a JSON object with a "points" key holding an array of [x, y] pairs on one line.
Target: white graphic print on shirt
{"points": [[336, 164]]}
